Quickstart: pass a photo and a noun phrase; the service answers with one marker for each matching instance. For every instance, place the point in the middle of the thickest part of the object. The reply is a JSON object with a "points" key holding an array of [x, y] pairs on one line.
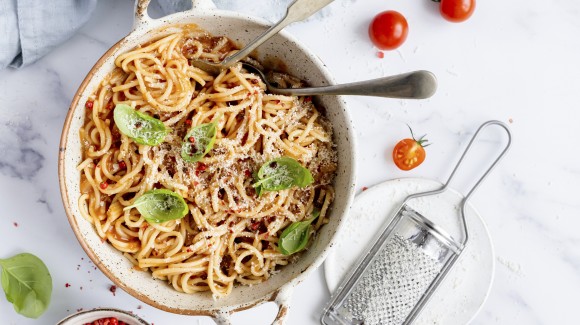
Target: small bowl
{"points": [[88, 316]]}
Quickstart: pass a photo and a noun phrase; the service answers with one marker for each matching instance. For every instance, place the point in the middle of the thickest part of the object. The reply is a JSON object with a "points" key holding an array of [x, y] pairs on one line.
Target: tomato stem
{"points": [[422, 141]]}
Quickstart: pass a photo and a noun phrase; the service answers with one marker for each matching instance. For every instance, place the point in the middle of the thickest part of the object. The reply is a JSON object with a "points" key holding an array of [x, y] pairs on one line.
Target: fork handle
{"points": [[297, 11], [413, 85]]}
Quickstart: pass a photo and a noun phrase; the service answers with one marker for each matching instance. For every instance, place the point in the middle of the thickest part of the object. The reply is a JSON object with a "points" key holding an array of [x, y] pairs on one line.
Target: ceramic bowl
{"points": [[301, 63], [88, 316]]}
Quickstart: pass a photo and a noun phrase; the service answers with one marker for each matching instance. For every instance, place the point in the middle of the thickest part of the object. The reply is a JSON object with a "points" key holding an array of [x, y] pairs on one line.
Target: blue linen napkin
{"points": [[30, 29]]}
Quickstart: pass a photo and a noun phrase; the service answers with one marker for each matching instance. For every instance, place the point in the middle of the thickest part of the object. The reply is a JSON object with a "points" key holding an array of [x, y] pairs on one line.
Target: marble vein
{"points": [[19, 159]]}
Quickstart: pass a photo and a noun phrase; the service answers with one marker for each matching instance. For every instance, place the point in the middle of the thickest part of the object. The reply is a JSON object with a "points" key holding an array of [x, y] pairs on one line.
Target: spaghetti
{"points": [[230, 234]]}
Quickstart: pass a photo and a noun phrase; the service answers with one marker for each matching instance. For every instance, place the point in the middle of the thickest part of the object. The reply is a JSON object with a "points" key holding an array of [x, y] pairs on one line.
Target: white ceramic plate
{"points": [[461, 295]]}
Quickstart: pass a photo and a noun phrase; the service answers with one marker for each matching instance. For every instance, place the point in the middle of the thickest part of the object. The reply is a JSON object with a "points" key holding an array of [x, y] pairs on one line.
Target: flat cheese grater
{"points": [[399, 272]]}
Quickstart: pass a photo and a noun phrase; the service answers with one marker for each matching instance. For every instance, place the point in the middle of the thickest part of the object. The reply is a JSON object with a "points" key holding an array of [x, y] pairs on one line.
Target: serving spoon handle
{"points": [[412, 85], [297, 11]]}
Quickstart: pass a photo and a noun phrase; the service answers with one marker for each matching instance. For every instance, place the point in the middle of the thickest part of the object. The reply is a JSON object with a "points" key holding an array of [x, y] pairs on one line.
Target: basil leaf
{"points": [[198, 142], [282, 173], [140, 127], [295, 237], [161, 205], [27, 284], [259, 190]]}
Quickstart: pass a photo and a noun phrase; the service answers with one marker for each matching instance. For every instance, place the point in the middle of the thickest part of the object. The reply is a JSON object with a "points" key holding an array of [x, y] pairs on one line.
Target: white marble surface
{"points": [[513, 61]]}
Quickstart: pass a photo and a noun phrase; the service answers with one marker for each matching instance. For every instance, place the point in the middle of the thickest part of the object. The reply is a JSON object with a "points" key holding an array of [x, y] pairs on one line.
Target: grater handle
{"points": [[495, 162], [479, 181], [484, 176]]}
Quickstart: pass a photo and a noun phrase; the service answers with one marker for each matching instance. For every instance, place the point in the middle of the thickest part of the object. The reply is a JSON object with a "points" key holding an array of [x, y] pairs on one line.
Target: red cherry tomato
{"points": [[409, 153], [457, 10], [388, 30]]}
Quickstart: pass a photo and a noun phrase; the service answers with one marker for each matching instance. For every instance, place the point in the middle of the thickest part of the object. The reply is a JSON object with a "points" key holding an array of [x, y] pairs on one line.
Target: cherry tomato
{"points": [[457, 10], [388, 30], [409, 153]]}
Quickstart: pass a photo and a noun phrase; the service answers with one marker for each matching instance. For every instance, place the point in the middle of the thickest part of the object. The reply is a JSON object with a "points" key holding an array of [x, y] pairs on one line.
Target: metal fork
{"points": [[297, 11]]}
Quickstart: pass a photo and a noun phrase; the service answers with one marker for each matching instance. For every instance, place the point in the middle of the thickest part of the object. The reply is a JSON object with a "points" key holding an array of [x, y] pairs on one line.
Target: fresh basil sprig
{"points": [[140, 127], [295, 237], [160, 205], [198, 142], [280, 174], [27, 284]]}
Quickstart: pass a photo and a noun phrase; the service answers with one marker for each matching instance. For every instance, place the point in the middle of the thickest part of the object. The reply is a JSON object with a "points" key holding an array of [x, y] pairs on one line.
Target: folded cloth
{"points": [[32, 28]]}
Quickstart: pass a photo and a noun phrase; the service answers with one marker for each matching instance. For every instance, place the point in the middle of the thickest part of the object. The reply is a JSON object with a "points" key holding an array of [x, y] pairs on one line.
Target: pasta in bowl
{"points": [[155, 122], [207, 182]]}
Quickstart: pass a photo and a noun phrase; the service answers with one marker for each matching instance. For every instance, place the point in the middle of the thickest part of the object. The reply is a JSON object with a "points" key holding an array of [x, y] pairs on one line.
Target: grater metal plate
{"points": [[392, 285]]}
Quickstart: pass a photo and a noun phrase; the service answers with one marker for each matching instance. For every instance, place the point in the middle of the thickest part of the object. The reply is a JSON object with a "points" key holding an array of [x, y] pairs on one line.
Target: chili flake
{"points": [[201, 166], [255, 225], [104, 185], [113, 289], [89, 104]]}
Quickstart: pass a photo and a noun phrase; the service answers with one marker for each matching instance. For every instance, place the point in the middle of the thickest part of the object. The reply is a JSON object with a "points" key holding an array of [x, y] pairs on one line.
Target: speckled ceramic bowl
{"points": [[87, 316], [300, 62]]}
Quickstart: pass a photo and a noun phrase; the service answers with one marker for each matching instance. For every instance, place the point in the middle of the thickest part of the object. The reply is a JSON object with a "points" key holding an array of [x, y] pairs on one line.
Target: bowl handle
{"points": [[280, 298], [143, 19], [283, 302]]}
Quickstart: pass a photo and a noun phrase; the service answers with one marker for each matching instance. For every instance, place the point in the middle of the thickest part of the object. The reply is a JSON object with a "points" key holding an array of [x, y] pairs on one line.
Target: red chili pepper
{"points": [[89, 104], [104, 185]]}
